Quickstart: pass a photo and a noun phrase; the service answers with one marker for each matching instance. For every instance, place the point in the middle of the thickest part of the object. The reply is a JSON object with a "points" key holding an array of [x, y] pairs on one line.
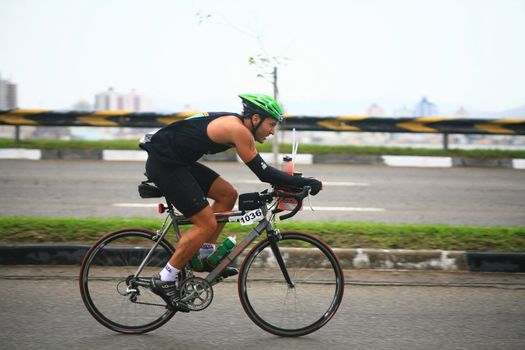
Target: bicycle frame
{"points": [[264, 225], [175, 221], [161, 233]]}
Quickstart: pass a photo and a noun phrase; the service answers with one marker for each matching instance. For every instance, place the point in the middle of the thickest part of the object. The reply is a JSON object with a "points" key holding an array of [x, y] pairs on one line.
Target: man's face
{"points": [[266, 129]]}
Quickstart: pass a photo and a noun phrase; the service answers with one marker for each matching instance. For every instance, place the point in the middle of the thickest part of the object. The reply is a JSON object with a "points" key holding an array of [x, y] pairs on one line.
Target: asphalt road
{"points": [[42, 309], [462, 196]]}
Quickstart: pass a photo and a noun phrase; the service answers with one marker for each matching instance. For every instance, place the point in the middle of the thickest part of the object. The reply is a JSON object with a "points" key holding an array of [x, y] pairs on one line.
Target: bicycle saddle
{"points": [[148, 190]]}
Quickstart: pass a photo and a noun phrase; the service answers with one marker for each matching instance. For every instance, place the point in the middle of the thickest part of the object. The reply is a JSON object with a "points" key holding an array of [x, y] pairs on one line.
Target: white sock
{"points": [[206, 250], [169, 273]]}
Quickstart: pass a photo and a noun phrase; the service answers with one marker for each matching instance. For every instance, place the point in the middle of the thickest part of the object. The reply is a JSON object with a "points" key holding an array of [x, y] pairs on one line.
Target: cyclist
{"points": [[172, 165]]}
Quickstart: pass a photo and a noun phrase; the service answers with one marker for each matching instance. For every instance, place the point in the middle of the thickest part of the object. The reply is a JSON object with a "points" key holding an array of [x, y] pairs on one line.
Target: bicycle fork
{"points": [[278, 256]]}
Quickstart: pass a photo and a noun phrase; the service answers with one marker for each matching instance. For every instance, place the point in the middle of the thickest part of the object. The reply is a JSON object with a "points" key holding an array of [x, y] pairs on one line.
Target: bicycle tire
{"points": [[318, 279], [103, 272]]}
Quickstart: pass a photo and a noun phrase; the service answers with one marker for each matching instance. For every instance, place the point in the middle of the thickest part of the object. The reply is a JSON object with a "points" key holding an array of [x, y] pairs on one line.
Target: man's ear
{"points": [[256, 118]]}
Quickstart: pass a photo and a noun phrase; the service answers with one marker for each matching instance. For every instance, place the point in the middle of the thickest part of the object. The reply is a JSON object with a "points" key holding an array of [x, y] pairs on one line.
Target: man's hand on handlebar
{"points": [[315, 185]]}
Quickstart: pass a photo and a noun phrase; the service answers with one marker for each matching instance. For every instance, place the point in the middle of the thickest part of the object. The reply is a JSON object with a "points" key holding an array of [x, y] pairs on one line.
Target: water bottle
{"points": [[197, 263], [221, 251], [288, 166]]}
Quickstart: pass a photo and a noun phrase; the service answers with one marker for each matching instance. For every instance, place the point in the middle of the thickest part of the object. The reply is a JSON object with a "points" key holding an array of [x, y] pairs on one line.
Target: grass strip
{"points": [[26, 230], [267, 147]]}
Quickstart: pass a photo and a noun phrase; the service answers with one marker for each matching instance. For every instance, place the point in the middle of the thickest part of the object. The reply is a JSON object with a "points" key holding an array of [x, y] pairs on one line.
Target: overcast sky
{"points": [[342, 55]]}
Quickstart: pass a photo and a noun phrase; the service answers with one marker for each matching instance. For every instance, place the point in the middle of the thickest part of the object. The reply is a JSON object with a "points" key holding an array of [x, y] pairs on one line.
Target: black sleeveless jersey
{"points": [[185, 141]]}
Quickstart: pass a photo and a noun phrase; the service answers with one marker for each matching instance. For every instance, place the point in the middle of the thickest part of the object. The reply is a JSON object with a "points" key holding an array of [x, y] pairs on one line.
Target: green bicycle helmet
{"points": [[263, 105]]}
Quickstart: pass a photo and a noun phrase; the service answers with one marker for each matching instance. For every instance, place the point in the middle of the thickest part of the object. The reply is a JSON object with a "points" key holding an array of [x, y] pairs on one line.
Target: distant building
{"points": [[82, 106], [403, 112], [111, 100], [8, 94], [425, 108], [375, 111], [461, 113], [107, 100], [131, 101]]}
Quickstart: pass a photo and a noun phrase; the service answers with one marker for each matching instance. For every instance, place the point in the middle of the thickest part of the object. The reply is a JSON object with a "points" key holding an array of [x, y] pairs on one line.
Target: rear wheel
{"points": [[301, 305], [109, 288]]}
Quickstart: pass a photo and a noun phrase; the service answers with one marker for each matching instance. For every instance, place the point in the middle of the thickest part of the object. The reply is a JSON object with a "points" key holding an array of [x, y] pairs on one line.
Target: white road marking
{"points": [[325, 183], [342, 183], [346, 209], [418, 161], [135, 205], [316, 208]]}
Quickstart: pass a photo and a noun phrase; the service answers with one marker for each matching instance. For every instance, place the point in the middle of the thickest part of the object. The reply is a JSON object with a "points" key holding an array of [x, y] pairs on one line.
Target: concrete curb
{"points": [[394, 259], [387, 160]]}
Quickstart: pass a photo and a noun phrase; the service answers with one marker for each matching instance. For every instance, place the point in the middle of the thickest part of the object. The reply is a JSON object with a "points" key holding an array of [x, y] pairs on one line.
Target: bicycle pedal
{"points": [[178, 306], [130, 290]]}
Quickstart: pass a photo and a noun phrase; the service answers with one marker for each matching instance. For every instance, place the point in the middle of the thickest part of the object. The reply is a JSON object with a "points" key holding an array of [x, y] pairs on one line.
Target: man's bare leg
{"points": [[225, 196], [203, 229]]}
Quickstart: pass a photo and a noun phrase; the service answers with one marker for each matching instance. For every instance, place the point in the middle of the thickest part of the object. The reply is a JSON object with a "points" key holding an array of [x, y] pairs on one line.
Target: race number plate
{"points": [[251, 217]]}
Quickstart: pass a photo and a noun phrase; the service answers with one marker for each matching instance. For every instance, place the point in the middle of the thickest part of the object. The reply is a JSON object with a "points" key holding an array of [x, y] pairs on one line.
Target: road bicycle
{"points": [[289, 283]]}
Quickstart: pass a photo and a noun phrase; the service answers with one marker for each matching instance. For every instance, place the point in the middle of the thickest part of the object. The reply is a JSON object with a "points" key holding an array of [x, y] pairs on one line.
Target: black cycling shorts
{"points": [[184, 186]]}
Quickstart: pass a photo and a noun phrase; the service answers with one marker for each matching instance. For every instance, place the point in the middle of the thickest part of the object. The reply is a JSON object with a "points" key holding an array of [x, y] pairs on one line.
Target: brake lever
{"points": [[310, 202], [299, 198]]}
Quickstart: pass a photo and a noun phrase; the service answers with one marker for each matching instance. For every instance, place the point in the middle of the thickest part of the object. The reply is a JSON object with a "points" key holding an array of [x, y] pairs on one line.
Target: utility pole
{"points": [[275, 142], [264, 63], [268, 70]]}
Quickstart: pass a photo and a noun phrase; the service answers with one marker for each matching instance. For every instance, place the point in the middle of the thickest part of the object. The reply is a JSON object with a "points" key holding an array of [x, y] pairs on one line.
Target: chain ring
{"points": [[196, 293]]}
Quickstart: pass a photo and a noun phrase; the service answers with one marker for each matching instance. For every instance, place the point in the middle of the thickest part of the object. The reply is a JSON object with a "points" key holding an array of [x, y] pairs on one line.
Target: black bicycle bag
{"points": [[249, 201]]}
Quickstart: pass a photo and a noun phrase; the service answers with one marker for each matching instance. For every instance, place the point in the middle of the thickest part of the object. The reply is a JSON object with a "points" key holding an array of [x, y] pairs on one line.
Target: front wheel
{"points": [[110, 288], [295, 295]]}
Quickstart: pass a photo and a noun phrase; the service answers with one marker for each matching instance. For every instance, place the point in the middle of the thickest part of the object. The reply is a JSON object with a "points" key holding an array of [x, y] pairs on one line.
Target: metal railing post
{"points": [[17, 134], [445, 141]]}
